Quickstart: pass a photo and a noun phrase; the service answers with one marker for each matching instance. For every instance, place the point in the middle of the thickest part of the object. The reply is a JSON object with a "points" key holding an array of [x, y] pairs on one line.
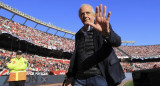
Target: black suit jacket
{"points": [[104, 56]]}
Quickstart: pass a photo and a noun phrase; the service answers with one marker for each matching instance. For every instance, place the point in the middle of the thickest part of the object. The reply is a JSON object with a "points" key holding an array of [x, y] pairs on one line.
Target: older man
{"points": [[94, 62]]}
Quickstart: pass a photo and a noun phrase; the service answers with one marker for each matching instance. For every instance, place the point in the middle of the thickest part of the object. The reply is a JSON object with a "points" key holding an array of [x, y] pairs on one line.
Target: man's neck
{"points": [[86, 28], [18, 58]]}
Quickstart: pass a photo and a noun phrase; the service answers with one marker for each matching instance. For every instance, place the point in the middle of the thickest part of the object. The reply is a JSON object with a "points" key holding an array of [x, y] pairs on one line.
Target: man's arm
{"points": [[102, 23], [11, 65], [103, 26], [71, 71], [113, 39]]}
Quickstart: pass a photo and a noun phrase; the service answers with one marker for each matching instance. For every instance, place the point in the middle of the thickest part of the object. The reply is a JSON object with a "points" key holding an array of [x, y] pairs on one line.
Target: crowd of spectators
{"points": [[35, 62], [129, 67], [39, 63], [35, 36], [119, 53], [141, 51]]}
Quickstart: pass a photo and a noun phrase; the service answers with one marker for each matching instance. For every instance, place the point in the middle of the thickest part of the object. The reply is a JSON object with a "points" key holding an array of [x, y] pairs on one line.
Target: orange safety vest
{"points": [[17, 69]]}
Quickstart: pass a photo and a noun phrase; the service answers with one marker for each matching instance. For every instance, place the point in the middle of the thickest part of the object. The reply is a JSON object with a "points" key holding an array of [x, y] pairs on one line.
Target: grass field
{"points": [[129, 83]]}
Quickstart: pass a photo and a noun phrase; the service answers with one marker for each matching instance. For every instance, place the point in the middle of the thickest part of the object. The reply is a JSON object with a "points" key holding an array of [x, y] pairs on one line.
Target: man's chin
{"points": [[85, 23]]}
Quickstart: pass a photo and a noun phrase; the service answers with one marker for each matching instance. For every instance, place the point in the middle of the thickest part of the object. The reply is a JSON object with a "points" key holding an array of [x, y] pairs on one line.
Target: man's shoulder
{"points": [[79, 31], [24, 59], [12, 59]]}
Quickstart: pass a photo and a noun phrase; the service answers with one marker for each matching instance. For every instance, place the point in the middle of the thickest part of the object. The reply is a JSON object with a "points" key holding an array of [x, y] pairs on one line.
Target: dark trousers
{"points": [[97, 80], [17, 83]]}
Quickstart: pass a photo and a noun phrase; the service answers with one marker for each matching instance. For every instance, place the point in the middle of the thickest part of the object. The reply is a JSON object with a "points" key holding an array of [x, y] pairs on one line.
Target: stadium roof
{"points": [[28, 17]]}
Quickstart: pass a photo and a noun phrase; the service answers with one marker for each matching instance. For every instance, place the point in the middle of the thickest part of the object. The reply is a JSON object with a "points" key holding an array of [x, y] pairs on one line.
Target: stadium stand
{"points": [[35, 36], [142, 51], [36, 63]]}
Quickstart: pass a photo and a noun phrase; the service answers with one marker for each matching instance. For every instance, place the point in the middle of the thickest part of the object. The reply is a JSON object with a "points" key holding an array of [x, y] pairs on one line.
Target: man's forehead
{"points": [[86, 7], [85, 10]]}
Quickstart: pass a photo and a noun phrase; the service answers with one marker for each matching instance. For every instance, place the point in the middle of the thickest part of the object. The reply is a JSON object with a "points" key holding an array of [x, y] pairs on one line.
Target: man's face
{"points": [[86, 14], [18, 56]]}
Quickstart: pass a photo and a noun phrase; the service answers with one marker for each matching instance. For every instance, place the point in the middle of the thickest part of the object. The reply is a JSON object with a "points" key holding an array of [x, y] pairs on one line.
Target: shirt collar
{"points": [[19, 58], [89, 29]]}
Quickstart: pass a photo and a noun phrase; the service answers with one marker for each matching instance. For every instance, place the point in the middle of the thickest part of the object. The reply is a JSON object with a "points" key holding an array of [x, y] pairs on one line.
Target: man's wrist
{"points": [[106, 36], [106, 33]]}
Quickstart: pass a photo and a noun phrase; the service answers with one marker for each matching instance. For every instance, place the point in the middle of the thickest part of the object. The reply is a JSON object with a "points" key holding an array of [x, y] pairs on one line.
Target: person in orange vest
{"points": [[17, 67]]}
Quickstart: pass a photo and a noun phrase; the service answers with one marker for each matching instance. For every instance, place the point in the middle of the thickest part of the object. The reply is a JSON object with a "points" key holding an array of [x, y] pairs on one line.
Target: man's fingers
{"points": [[97, 13], [108, 16], [92, 25], [104, 11], [100, 10]]}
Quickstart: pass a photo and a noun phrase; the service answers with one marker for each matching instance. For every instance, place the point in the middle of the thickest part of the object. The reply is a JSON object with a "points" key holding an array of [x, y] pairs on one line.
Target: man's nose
{"points": [[85, 15]]}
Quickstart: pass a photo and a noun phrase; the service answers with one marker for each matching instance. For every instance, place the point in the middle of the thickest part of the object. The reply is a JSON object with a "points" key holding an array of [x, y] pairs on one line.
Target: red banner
{"points": [[59, 72]]}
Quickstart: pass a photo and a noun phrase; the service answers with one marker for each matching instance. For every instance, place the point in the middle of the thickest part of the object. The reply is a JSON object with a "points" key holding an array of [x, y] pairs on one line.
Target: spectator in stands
{"points": [[94, 62], [17, 68]]}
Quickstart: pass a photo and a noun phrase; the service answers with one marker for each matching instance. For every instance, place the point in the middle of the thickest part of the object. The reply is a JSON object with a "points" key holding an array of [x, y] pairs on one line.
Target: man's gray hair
{"points": [[87, 5]]}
